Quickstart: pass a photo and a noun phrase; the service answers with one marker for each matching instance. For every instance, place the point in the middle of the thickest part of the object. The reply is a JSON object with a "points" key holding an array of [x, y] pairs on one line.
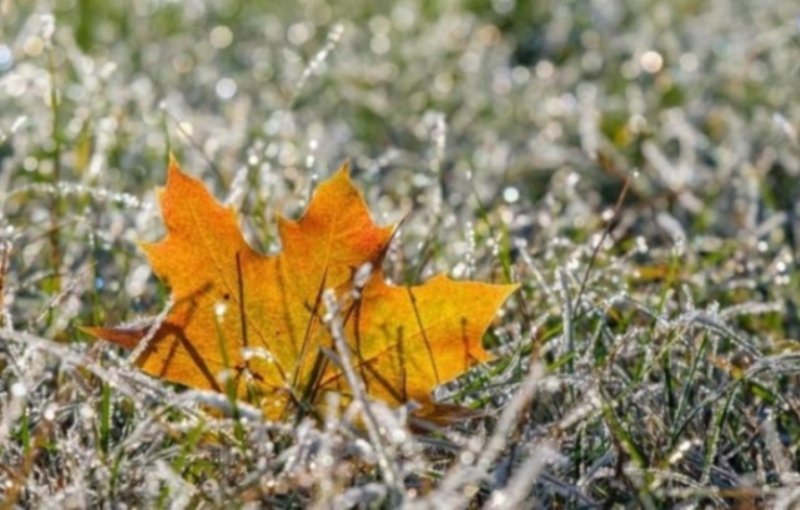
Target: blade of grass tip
{"points": [[230, 380], [312, 384], [483, 215], [25, 431], [625, 440], [426, 252], [105, 418], [673, 270], [713, 397], [304, 347], [686, 393], [606, 232], [427, 343], [566, 319], [97, 310], [316, 61], [188, 447], [505, 253], [527, 323], [56, 206], [669, 379], [712, 439], [5, 253], [114, 475]]}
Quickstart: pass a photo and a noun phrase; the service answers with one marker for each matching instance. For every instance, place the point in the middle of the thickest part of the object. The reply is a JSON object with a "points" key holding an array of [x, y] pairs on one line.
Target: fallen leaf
{"points": [[252, 322]]}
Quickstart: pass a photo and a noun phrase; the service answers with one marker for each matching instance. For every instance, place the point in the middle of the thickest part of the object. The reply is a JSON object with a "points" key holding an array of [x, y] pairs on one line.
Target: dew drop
{"points": [[651, 61], [226, 88], [219, 310], [221, 37], [18, 390], [511, 194]]}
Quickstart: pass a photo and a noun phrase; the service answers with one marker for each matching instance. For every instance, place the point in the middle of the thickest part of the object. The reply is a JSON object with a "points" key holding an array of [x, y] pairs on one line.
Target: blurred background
{"points": [[504, 123]]}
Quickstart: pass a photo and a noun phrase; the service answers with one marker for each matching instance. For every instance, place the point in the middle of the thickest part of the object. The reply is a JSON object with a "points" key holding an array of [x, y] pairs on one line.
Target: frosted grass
{"points": [[648, 359]]}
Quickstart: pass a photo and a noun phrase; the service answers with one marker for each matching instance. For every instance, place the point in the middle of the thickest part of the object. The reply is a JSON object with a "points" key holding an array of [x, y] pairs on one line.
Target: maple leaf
{"points": [[259, 319]]}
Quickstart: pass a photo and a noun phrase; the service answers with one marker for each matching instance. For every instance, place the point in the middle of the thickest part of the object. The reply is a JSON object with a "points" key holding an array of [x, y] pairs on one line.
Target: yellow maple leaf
{"points": [[259, 319]]}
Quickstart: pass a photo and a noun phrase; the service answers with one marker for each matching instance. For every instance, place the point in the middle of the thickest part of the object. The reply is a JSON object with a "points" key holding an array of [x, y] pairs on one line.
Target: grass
{"points": [[649, 360]]}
